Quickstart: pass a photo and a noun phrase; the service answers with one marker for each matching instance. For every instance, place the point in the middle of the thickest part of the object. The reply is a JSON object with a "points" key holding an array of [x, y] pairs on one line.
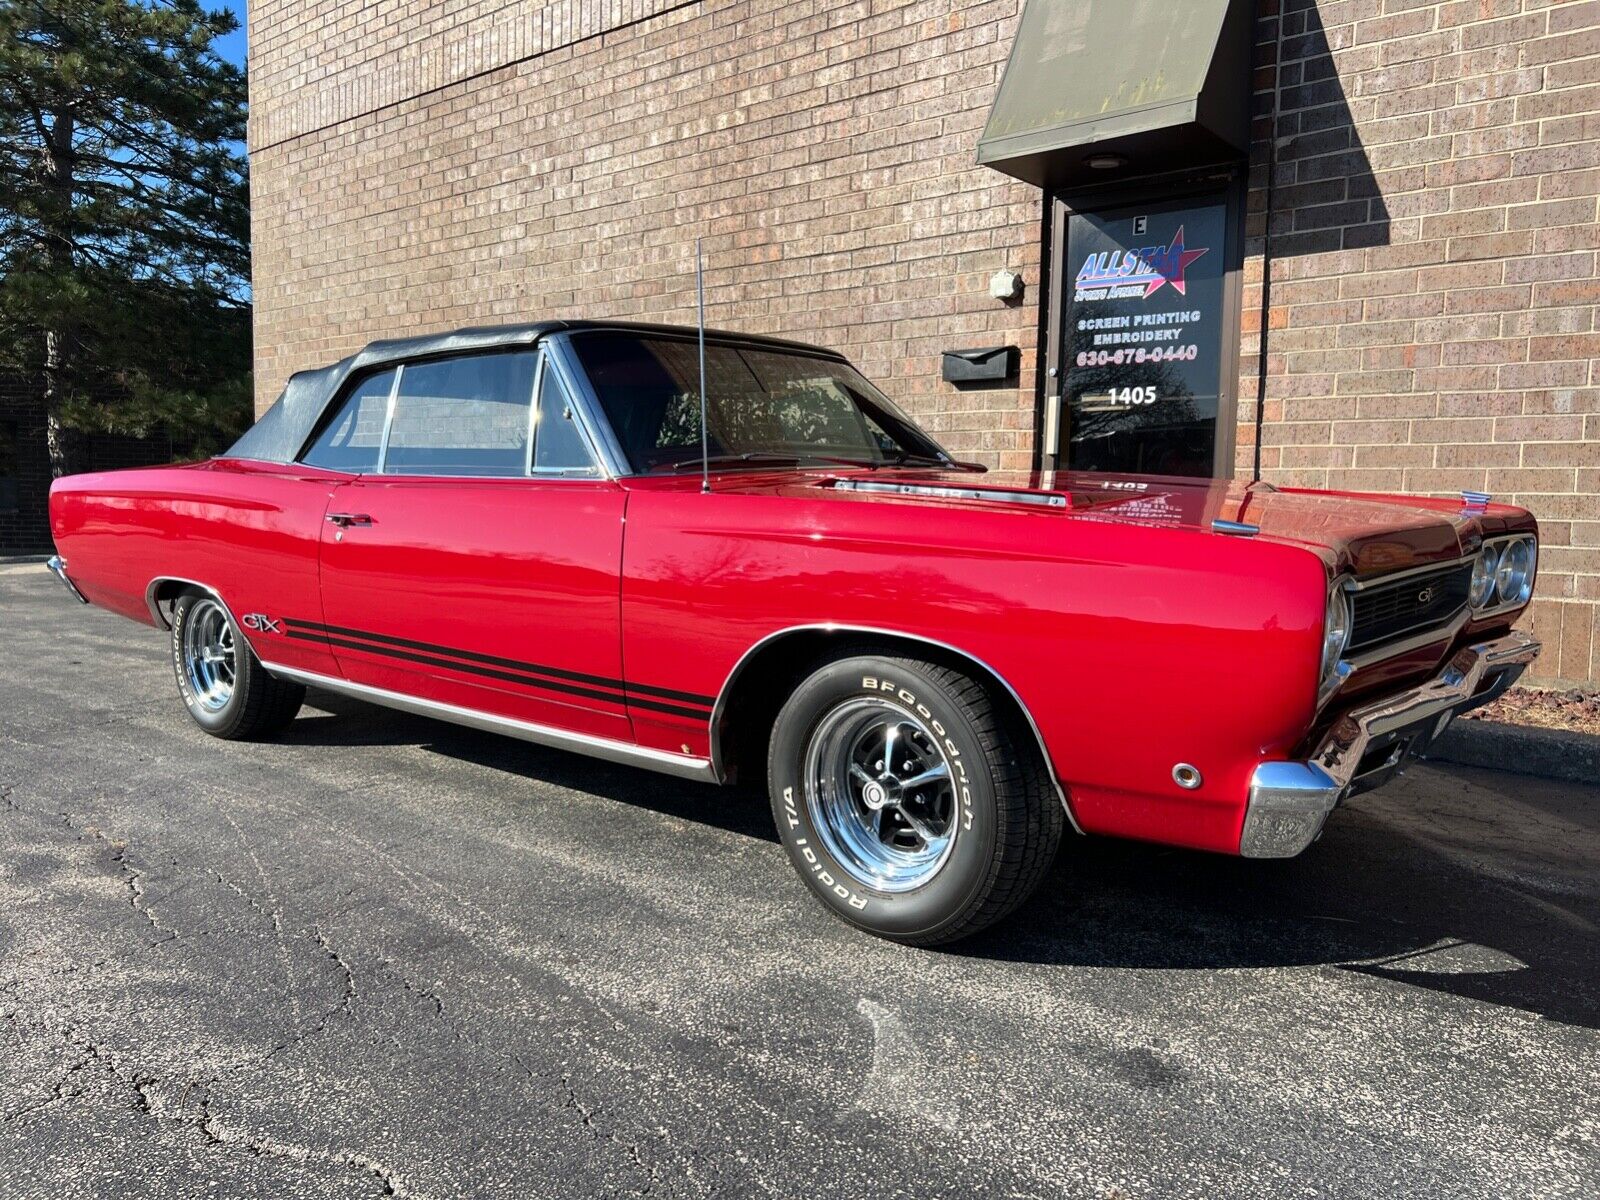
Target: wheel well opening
{"points": [[765, 680], [164, 594]]}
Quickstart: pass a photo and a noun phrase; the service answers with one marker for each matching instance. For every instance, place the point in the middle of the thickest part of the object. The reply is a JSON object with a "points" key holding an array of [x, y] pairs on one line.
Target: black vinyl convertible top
{"points": [[286, 427]]}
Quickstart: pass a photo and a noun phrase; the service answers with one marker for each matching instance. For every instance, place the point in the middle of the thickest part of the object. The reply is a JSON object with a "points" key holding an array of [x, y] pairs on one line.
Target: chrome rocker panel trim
{"points": [[682, 766], [1290, 801], [57, 566]]}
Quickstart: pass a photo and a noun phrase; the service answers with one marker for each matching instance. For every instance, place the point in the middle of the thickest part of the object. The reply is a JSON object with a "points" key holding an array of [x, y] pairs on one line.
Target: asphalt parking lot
{"points": [[386, 956]]}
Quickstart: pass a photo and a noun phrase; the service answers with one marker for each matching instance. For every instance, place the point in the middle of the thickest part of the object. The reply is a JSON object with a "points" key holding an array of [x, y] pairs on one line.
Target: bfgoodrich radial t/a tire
{"points": [[222, 683], [908, 801]]}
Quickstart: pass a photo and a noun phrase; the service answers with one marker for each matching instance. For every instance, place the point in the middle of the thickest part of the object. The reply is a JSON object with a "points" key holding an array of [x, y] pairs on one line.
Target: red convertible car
{"points": [[935, 668]]}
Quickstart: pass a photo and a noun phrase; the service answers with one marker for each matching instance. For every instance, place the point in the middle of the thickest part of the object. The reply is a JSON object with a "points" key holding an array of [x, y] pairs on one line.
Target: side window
{"points": [[352, 440], [462, 416], [558, 445]]}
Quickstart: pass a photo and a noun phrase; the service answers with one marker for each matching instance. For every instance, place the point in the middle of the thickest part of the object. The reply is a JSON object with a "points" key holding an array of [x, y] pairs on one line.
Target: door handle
{"points": [[345, 520]]}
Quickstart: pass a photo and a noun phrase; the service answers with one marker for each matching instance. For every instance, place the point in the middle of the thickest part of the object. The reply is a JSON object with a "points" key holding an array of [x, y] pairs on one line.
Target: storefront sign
{"points": [[1144, 323]]}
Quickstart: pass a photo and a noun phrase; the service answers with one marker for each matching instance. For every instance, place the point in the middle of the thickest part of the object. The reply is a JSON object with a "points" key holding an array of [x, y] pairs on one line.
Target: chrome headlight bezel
{"points": [[1484, 565], [1337, 625], [1512, 565]]}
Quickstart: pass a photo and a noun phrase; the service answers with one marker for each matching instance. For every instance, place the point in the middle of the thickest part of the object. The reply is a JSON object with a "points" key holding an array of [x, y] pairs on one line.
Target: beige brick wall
{"points": [[1432, 319], [825, 150], [1432, 315]]}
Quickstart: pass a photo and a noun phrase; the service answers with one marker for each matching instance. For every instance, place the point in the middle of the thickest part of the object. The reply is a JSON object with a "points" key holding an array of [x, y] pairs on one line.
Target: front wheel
{"points": [[908, 800], [223, 685]]}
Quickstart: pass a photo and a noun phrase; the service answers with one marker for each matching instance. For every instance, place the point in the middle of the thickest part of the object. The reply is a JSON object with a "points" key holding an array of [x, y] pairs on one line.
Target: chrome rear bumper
{"points": [[1289, 801], [58, 567]]}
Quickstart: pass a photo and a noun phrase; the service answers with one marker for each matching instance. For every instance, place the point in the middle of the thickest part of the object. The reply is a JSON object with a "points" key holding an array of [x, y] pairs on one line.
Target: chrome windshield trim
{"points": [[57, 566], [602, 439], [718, 759], [625, 753]]}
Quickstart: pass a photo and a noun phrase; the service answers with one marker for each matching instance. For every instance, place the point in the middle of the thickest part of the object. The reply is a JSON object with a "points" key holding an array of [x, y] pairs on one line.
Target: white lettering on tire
{"points": [[822, 874], [957, 759]]}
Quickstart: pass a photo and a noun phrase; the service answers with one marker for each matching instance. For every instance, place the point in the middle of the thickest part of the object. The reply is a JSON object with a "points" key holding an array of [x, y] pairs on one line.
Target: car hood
{"points": [[1361, 534]]}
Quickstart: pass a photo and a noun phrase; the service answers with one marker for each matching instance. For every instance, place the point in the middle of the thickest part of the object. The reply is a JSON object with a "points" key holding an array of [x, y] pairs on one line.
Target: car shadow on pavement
{"points": [[1369, 897], [350, 722], [1375, 896]]}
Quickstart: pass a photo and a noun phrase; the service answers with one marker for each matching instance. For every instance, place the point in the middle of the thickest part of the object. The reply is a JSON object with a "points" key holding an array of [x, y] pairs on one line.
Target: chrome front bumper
{"points": [[1289, 801], [58, 567]]}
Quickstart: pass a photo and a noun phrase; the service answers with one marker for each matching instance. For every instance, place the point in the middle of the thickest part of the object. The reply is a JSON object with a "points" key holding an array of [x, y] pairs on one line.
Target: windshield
{"points": [[764, 407]]}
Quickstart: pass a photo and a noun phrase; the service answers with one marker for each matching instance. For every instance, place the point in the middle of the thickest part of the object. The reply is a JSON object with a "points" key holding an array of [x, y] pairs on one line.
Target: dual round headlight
{"points": [[1335, 633], [1502, 574]]}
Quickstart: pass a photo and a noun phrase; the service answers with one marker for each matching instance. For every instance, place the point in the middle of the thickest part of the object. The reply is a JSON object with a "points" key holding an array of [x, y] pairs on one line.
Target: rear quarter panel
{"points": [[1134, 648], [248, 531]]}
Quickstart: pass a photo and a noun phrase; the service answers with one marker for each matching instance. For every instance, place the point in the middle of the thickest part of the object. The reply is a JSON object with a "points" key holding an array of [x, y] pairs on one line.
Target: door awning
{"points": [[1160, 85]]}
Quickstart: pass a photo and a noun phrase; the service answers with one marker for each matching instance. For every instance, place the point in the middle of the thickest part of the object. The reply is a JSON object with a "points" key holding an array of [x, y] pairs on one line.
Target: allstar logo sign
{"points": [[1151, 268]]}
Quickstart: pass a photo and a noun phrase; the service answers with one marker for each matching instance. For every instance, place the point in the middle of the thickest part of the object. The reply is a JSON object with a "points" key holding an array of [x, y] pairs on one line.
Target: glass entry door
{"points": [[1142, 340]]}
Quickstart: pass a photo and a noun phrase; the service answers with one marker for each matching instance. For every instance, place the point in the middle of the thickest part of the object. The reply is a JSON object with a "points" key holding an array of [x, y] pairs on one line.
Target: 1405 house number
{"points": [[1133, 396]]}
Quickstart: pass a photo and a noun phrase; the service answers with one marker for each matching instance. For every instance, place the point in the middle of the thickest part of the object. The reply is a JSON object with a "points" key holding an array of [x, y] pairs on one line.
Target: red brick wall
{"points": [[825, 150], [1432, 314], [1431, 323]]}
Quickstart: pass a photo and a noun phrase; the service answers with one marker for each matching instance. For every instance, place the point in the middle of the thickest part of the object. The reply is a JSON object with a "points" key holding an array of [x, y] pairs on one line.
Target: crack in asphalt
{"points": [[219, 1133], [273, 910], [146, 1098], [138, 896]]}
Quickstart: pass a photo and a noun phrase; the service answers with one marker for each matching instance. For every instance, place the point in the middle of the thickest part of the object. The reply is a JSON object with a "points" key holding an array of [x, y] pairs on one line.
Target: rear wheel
{"points": [[908, 800], [223, 685]]}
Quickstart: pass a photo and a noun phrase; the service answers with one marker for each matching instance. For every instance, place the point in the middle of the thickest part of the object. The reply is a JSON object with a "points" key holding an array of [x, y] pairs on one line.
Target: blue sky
{"points": [[232, 46]]}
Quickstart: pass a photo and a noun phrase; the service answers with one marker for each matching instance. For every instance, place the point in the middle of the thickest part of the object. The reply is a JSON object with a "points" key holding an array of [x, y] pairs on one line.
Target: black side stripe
{"points": [[513, 672]]}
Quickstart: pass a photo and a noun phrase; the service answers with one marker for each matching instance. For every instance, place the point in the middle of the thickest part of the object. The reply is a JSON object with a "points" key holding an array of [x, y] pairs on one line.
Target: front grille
{"points": [[1386, 612]]}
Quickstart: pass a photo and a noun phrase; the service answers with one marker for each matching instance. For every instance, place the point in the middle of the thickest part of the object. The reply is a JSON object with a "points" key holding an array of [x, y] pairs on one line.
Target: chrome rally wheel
{"points": [[208, 656], [880, 792], [912, 801], [223, 684]]}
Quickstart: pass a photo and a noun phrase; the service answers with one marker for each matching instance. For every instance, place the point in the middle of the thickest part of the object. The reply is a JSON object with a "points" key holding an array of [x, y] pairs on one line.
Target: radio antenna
{"points": [[705, 439]]}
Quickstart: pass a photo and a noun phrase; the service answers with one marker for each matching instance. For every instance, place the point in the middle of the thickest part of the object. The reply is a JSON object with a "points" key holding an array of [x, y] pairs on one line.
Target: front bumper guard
{"points": [[57, 566], [1289, 801]]}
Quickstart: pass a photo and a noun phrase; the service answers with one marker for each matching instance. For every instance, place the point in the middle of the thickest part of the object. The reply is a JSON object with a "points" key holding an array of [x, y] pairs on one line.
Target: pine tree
{"points": [[124, 218]]}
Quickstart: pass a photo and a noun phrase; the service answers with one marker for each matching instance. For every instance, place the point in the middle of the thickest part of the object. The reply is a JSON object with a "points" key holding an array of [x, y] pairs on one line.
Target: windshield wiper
{"points": [[902, 458], [749, 456]]}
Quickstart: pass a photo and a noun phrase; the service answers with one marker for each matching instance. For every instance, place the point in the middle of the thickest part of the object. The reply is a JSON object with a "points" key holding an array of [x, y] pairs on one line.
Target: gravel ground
{"points": [[1575, 711], [388, 957]]}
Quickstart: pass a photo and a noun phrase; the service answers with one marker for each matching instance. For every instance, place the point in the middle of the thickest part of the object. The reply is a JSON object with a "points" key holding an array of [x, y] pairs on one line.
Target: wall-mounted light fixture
{"points": [[1005, 285]]}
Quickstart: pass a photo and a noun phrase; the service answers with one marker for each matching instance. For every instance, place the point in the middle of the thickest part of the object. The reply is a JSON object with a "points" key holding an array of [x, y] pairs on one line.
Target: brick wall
{"points": [[1431, 324], [1430, 234], [825, 150]]}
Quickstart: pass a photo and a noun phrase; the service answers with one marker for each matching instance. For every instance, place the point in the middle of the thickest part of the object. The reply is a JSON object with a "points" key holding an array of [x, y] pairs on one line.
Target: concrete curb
{"points": [[1525, 749]]}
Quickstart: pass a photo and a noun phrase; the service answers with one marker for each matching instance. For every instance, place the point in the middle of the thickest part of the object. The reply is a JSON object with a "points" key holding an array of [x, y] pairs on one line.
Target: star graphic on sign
{"points": [[1177, 262]]}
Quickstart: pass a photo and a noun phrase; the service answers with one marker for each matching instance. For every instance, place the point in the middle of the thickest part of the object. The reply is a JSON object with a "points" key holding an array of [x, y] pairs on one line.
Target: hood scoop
{"points": [[947, 492]]}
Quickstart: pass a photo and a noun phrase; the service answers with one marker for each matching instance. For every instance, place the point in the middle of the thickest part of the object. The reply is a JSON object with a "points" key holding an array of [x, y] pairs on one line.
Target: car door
{"points": [[478, 563]]}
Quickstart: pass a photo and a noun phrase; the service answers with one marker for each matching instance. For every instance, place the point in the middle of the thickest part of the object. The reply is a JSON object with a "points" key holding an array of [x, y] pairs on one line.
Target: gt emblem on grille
{"points": [[1425, 595]]}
